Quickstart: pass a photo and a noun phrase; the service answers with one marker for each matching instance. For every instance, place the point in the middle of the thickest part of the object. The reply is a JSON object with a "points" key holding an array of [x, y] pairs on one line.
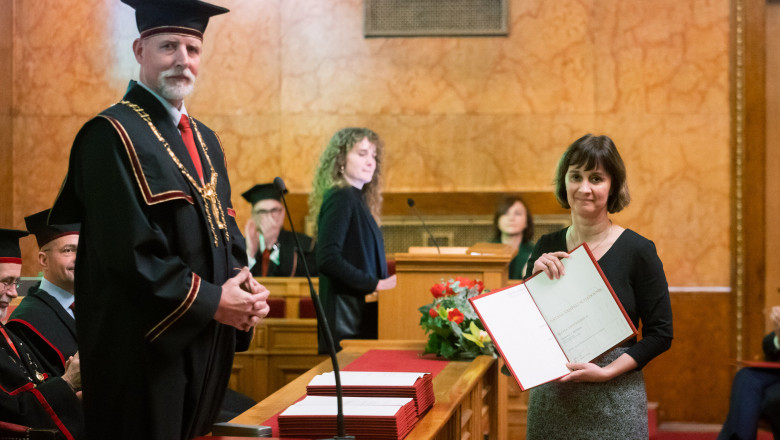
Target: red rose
{"points": [[480, 286], [438, 290], [433, 312], [450, 291], [455, 316], [465, 282]]}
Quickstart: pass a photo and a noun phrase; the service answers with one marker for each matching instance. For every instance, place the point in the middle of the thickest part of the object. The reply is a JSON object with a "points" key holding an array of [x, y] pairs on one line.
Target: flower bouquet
{"points": [[453, 328]]}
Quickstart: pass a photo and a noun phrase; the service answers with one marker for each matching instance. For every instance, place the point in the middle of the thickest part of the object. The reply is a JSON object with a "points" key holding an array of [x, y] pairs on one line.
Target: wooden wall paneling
{"points": [[691, 382], [772, 187], [748, 120]]}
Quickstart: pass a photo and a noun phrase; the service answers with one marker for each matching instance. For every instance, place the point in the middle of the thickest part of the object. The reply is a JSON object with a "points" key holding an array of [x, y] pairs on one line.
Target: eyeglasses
{"points": [[274, 211], [8, 283]]}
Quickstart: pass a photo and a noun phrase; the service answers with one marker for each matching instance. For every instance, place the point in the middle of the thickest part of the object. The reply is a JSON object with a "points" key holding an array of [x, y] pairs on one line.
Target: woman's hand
{"points": [[387, 283], [550, 264], [590, 372], [585, 372]]}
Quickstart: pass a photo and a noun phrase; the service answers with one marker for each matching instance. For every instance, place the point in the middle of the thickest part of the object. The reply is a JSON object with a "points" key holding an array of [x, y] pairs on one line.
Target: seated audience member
{"points": [[271, 248], [28, 395], [44, 319], [514, 226], [755, 393]]}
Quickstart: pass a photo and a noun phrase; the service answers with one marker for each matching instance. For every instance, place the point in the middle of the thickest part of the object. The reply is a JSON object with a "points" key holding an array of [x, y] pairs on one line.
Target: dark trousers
{"points": [[755, 393]]}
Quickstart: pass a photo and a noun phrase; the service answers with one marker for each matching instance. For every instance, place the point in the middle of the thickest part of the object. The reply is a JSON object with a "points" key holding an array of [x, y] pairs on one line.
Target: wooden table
{"points": [[467, 395]]}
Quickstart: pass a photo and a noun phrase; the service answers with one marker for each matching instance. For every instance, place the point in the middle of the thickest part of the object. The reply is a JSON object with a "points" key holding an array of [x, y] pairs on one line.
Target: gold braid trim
{"points": [[207, 191]]}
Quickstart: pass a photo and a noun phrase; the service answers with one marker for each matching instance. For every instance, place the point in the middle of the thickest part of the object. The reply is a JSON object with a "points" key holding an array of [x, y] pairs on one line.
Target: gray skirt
{"points": [[616, 409]]}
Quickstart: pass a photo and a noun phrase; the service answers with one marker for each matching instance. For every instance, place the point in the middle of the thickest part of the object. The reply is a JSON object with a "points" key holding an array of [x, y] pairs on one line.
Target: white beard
{"points": [[176, 91]]}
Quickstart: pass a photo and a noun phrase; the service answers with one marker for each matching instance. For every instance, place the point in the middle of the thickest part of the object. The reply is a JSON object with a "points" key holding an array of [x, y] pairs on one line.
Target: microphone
{"points": [[410, 202], [322, 321]]}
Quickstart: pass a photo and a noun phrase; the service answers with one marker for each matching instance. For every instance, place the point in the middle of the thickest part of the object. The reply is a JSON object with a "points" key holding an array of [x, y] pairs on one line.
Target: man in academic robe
{"points": [[28, 395], [163, 294], [271, 249], [44, 319]]}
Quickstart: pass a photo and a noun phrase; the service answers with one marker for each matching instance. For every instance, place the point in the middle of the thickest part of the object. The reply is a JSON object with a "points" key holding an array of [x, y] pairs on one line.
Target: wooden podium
{"points": [[422, 267]]}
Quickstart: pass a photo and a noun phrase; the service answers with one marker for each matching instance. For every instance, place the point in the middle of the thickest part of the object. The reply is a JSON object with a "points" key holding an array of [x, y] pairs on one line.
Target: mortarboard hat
{"points": [[44, 233], [9, 245], [187, 17], [261, 192]]}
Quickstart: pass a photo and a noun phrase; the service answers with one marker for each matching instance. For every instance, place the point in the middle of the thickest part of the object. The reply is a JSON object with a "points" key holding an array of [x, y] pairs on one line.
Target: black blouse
{"points": [[636, 274]]}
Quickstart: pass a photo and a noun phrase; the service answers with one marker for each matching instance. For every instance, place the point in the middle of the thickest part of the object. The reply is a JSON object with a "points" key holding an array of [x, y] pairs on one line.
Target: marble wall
{"points": [[278, 77]]}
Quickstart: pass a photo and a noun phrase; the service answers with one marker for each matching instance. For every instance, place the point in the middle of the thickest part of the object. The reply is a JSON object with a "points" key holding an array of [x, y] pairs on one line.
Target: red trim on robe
{"points": [[138, 171], [31, 327], [21, 389], [155, 332], [52, 414], [14, 260]]}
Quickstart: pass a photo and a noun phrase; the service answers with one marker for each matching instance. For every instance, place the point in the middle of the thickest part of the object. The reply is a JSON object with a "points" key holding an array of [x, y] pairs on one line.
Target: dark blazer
{"points": [[290, 264], [47, 328], [151, 262], [351, 261], [29, 396]]}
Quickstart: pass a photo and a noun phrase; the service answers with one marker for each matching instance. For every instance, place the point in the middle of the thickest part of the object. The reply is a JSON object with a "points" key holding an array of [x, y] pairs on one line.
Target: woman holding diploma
{"points": [[604, 399], [346, 201]]}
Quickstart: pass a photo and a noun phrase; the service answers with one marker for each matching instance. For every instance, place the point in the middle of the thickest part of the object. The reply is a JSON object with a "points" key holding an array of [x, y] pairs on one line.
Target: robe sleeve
{"points": [[51, 404]]}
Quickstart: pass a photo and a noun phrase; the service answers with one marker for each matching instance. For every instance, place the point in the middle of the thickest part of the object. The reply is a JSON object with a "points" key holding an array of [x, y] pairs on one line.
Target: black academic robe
{"points": [[30, 397], [289, 260], [155, 364], [47, 328], [351, 261]]}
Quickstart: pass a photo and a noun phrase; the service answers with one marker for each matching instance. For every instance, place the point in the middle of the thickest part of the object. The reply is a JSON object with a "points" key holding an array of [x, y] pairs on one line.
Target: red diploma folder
{"points": [[540, 324]]}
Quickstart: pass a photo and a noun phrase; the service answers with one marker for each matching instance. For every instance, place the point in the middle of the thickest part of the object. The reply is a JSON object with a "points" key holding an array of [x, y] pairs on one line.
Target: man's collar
{"points": [[62, 296], [173, 111]]}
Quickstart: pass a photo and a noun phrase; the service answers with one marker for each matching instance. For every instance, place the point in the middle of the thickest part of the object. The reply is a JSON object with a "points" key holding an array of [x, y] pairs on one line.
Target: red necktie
{"points": [[189, 141], [8, 340], [265, 262]]}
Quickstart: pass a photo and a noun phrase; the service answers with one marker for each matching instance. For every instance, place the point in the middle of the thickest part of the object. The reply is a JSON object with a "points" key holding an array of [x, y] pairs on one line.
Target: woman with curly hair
{"points": [[346, 201]]}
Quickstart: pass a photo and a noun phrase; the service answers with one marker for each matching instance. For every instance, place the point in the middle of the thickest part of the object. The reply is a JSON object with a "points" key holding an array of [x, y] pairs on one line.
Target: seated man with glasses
{"points": [[29, 396], [270, 248], [44, 319]]}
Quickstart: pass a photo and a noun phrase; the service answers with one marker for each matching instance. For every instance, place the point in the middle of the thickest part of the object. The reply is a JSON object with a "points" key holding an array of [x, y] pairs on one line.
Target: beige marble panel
{"points": [[42, 148], [241, 61], [59, 68], [457, 114], [253, 153], [329, 67], [661, 56], [679, 177]]}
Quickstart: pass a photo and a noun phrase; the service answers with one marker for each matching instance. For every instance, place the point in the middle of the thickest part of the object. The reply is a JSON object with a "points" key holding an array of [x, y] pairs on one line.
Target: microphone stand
{"points": [[322, 321], [410, 202]]}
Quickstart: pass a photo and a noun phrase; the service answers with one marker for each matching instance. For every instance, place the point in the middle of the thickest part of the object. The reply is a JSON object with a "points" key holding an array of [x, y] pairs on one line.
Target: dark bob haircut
{"points": [[503, 207], [588, 152]]}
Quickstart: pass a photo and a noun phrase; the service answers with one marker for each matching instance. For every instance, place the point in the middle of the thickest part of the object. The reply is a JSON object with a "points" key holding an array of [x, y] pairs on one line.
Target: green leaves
{"points": [[453, 328]]}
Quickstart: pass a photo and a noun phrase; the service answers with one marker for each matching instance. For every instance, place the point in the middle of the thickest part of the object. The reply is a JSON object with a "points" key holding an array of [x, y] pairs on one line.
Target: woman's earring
{"points": [[341, 170]]}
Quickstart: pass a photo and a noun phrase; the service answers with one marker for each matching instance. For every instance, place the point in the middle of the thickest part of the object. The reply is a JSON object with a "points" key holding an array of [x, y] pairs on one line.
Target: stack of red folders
{"points": [[366, 418], [417, 386]]}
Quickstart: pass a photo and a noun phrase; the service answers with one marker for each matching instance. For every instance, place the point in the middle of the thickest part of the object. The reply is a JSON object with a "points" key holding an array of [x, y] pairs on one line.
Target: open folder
{"points": [[540, 324]]}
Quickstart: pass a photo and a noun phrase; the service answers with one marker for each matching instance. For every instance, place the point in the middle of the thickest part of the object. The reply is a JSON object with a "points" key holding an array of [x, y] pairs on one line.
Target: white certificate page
{"points": [[579, 308], [518, 329]]}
